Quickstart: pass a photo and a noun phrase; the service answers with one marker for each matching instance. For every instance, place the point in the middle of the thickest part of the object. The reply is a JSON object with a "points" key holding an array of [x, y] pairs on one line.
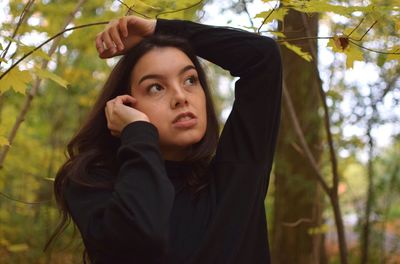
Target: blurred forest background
{"points": [[334, 194]]}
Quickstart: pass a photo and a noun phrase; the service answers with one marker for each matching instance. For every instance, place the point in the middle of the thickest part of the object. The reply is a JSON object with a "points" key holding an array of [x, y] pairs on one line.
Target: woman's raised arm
{"points": [[250, 132]]}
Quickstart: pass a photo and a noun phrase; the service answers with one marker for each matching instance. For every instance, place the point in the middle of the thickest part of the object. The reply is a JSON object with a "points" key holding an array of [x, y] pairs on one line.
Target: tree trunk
{"points": [[298, 199]]}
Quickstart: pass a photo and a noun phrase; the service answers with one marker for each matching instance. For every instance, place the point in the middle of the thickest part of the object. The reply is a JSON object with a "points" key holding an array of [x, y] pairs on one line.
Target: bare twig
{"points": [[247, 12], [178, 10], [298, 222], [300, 135], [33, 91], [131, 10], [368, 30], [265, 19], [22, 18], [47, 41], [359, 24], [397, 52], [23, 202]]}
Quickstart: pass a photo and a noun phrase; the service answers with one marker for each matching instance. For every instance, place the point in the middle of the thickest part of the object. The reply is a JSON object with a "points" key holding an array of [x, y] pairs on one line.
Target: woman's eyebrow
{"points": [[158, 76]]}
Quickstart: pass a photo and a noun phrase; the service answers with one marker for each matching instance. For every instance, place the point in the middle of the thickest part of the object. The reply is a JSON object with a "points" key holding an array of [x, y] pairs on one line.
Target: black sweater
{"points": [[149, 216]]}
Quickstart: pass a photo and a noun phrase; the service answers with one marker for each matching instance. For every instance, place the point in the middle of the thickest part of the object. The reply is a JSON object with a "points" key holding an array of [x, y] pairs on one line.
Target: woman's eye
{"points": [[191, 80], [154, 88]]}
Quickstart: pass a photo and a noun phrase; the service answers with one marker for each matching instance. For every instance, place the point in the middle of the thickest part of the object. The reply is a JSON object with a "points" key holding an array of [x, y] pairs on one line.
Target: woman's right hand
{"points": [[122, 34], [120, 112]]}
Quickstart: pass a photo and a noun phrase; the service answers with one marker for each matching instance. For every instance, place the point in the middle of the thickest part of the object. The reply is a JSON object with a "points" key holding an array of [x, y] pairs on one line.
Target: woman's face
{"points": [[166, 85]]}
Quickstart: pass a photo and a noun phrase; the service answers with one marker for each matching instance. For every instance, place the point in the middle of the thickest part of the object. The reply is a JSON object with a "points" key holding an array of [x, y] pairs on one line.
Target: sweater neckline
{"points": [[177, 172]]}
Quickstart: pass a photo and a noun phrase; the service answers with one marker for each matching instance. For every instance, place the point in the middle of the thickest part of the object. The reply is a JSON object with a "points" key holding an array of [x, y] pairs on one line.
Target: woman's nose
{"points": [[179, 97]]}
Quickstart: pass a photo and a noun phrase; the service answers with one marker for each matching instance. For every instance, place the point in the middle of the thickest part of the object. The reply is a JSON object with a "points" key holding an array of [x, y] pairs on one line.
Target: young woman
{"points": [[148, 180]]}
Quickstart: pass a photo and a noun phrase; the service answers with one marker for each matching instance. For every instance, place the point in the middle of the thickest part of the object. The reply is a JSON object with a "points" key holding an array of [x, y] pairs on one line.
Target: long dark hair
{"points": [[94, 147]]}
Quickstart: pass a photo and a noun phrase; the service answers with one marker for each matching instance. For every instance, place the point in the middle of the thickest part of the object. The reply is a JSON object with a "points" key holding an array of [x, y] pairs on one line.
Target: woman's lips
{"points": [[185, 120], [182, 123]]}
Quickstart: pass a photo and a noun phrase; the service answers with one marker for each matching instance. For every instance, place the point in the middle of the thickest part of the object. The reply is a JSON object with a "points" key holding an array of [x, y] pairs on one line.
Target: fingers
{"points": [[99, 44], [123, 26], [116, 38], [108, 110], [108, 40], [126, 100]]}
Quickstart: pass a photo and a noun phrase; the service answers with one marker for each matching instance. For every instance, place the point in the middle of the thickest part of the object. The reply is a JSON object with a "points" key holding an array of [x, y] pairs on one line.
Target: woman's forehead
{"points": [[167, 61]]}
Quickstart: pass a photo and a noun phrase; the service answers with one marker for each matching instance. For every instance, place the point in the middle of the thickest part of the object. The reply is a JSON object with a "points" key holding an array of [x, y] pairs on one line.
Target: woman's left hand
{"points": [[122, 34]]}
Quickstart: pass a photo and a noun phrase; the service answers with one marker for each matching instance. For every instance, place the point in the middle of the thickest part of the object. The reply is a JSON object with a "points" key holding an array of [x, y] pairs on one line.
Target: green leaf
{"points": [[45, 74], [16, 79], [296, 49], [4, 141]]}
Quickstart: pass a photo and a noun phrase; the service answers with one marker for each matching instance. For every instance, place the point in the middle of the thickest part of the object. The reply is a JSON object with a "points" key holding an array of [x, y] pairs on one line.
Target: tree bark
{"points": [[298, 197]]}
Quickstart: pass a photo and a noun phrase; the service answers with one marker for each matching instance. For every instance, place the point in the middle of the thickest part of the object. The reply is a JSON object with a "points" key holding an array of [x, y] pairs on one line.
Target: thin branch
{"points": [[35, 87], [298, 222], [23, 202], [359, 24], [376, 21], [178, 10], [377, 51], [300, 135], [390, 85], [47, 41], [247, 12], [131, 10], [265, 19], [302, 38], [19, 23]]}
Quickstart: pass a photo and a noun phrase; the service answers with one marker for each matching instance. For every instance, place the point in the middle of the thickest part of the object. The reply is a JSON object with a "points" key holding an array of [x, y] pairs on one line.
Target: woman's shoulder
{"points": [[94, 179]]}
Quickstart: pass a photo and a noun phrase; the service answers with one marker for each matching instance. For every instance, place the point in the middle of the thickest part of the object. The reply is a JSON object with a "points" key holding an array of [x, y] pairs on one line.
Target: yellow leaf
{"points": [[318, 6], [353, 53], [38, 52], [277, 14], [45, 74], [16, 79], [355, 34], [395, 49], [18, 247], [342, 45], [338, 43], [4, 141], [305, 55], [278, 34]]}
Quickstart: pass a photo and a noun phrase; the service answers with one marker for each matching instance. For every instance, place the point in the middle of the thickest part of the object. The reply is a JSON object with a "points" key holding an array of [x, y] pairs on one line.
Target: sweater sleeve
{"points": [[134, 216], [250, 132]]}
